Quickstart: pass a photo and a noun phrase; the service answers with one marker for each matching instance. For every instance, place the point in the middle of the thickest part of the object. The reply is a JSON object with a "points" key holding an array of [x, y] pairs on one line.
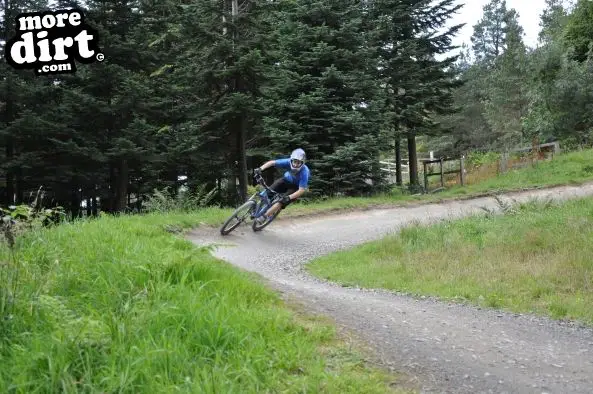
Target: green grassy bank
{"points": [[122, 305], [536, 258]]}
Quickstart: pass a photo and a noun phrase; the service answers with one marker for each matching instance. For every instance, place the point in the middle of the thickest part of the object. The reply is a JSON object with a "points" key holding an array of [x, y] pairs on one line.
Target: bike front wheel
{"points": [[239, 215]]}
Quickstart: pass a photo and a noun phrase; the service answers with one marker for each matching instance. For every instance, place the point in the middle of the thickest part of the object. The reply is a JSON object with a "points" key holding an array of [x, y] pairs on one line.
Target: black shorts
{"points": [[281, 186]]}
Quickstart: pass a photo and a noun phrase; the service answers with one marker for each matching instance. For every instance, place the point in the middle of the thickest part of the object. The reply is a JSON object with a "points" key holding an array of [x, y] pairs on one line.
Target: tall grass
{"points": [[568, 168], [121, 305], [536, 258]]}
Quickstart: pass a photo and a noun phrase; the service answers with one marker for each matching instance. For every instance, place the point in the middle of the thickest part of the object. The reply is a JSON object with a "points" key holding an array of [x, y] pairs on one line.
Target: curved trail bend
{"points": [[446, 348]]}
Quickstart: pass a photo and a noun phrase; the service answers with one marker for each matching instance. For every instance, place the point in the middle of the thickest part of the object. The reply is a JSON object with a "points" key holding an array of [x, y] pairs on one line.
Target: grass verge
{"points": [[566, 169], [537, 258], [121, 305]]}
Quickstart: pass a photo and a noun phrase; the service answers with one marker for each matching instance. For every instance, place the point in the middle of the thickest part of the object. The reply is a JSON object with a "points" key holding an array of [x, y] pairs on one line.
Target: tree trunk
{"points": [[19, 187], [398, 161], [138, 194], [9, 116], [74, 202], [413, 161], [121, 194], [108, 201], [242, 159], [174, 177], [89, 207], [240, 125], [9, 174]]}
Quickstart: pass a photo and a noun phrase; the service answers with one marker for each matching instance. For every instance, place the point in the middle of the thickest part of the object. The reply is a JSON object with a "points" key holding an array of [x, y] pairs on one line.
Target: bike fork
{"points": [[262, 206]]}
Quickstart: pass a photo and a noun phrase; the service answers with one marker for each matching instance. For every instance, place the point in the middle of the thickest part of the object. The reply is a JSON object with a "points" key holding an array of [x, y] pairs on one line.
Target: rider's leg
{"points": [[288, 189], [273, 209], [279, 186]]}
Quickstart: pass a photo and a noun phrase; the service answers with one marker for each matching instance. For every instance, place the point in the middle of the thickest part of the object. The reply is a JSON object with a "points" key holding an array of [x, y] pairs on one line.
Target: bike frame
{"points": [[265, 202], [256, 209]]}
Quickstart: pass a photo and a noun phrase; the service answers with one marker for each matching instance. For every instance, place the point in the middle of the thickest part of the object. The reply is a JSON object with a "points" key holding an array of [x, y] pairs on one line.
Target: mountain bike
{"points": [[253, 208]]}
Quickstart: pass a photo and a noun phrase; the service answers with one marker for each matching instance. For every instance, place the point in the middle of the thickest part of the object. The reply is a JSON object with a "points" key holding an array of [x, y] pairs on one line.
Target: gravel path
{"points": [[446, 348]]}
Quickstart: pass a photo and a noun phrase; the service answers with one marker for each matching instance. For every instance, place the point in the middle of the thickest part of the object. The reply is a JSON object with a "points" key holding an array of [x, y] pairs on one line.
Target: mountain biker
{"points": [[293, 182]]}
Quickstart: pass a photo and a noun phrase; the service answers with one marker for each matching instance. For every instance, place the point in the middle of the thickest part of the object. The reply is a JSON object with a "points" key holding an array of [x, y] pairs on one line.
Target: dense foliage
{"points": [[198, 93], [514, 95]]}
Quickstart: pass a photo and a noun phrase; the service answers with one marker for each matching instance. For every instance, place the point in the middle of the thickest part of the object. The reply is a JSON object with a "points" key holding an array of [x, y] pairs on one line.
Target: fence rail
{"points": [[442, 172], [390, 168], [508, 160]]}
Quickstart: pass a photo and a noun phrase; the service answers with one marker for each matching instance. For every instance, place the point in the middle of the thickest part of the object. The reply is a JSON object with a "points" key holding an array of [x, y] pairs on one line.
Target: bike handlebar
{"points": [[260, 179]]}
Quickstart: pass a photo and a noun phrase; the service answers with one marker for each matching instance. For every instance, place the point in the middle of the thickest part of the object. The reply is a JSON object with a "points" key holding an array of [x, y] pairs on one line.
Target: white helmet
{"points": [[297, 160]]}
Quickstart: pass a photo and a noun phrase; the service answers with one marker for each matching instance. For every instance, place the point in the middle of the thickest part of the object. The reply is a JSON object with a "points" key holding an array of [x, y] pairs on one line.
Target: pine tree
{"points": [[216, 66], [18, 89], [466, 128], [325, 98], [118, 84], [544, 118], [507, 95], [552, 21], [488, 38], [419, 85]]}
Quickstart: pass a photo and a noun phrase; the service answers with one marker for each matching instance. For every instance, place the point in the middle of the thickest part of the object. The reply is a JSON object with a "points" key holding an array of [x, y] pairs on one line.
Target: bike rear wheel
{"points": [[240, 214]]}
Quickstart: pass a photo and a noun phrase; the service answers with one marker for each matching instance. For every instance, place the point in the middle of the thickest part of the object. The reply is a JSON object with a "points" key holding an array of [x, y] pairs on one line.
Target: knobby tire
{"points": [[249, 204]]}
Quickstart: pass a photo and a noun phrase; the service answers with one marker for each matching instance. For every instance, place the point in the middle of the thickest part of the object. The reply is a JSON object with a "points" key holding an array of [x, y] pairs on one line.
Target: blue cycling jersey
{"points": [[301, 178]]}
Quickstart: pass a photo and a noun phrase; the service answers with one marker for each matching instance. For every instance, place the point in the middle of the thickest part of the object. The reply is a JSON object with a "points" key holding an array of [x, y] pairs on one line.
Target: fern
{"points": [[163, 201], [208, 198], [81, 330], [506, 207], [16, 221]]}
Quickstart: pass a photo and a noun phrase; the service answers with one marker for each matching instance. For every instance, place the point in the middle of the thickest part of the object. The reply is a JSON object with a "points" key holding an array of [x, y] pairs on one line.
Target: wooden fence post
{"points": [[503, 162], [425, 178], [462, 169], [442, 174]]}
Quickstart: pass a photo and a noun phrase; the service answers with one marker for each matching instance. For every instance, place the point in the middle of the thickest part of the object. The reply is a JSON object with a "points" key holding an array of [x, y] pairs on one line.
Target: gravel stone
{"points": [[445, 347]]}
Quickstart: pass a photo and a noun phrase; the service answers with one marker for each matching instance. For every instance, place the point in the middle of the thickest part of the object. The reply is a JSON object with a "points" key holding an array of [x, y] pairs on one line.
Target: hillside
{"points": [[121, 304]]}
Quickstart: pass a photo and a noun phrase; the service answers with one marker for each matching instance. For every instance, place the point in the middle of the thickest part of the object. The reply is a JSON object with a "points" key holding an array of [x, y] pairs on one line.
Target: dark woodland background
{"points": [[198, 93]]}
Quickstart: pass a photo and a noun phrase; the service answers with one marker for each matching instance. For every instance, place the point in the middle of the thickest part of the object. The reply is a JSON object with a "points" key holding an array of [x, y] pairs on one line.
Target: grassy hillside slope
{"points": [[122, 305]]}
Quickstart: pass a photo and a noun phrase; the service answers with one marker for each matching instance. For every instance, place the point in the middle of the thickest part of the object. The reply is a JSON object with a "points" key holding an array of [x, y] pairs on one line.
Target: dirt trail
{"points": [[446, 348]]}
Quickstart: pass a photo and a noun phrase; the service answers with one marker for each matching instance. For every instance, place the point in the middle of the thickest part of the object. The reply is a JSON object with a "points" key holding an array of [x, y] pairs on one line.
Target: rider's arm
{"points": [[268, 164], [303, 185], [298, 193]]}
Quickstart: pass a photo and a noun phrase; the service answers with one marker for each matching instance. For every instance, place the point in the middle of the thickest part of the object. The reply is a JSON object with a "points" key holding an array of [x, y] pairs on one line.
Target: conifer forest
{"points": [[197, 93]]}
